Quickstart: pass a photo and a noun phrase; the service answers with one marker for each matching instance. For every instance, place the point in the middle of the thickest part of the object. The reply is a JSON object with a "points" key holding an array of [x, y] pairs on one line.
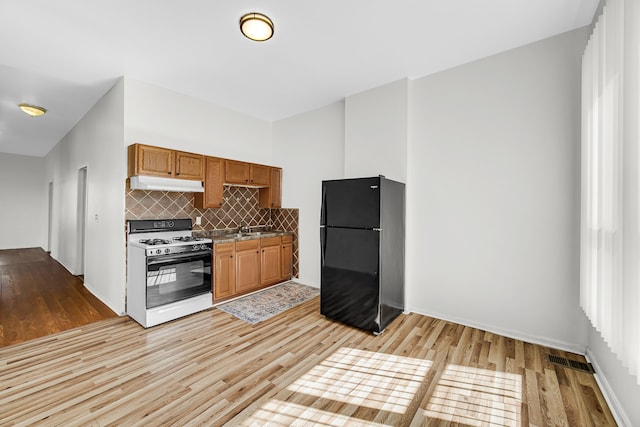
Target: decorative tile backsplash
{"points": [[239, 209]]}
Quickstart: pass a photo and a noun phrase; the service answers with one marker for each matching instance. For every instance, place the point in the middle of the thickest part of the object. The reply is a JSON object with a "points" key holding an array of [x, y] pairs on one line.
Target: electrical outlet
{"points": [[198, 220]]}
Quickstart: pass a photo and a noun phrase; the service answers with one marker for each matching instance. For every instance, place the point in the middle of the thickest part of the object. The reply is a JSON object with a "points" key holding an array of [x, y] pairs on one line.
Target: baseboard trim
{"points": [[560, 345], [102, 299], [617, 411]]}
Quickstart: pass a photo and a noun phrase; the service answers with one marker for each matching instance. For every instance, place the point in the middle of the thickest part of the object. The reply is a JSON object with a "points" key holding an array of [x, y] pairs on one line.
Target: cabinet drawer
{"points": [[287, 239], [270, 241], [247, 244], [223, 247]]}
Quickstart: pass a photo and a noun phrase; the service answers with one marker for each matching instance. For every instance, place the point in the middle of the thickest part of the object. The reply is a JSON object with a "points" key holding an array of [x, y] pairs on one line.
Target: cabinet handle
{"points": [[178, 173], [169, 173], [258, 252]]}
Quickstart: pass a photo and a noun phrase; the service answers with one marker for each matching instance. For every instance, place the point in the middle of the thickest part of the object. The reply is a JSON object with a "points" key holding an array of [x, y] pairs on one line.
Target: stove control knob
{"points": [[167, 250], [195, 247], [158, 251]]}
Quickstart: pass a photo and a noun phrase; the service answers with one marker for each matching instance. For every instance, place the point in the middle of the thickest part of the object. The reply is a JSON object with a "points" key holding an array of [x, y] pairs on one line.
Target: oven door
{"points": [[172, 278]]}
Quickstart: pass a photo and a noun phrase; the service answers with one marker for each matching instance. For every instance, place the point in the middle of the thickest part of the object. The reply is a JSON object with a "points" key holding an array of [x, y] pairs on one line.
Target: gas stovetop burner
{"points": [[153, 242], [187, 239]]}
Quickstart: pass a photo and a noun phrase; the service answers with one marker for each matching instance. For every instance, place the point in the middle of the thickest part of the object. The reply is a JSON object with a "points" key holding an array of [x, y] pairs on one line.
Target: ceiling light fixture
{"points": [[256, 26], [32, 110]]}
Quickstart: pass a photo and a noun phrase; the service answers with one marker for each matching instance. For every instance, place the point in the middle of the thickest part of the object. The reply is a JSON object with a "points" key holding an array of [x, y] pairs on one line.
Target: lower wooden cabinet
{"points": [[224, 270], [270, 260], [286, 251], [248, 265]]}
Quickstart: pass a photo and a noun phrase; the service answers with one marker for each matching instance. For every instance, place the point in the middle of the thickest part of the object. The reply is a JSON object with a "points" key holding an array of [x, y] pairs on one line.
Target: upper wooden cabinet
{"points": [[147, 160], [236, 172], [258, 174], [213, 188], [271, 197], [157, 161], [246, 173], [189, 166]]}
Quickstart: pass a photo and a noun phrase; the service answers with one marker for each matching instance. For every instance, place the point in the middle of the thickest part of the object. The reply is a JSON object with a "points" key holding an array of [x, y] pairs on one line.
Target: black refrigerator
{"points": [[362, 225]]}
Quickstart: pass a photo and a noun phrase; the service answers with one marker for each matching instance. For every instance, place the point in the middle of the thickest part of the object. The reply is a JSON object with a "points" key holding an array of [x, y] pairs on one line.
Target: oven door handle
{"points": [[164, 259]]}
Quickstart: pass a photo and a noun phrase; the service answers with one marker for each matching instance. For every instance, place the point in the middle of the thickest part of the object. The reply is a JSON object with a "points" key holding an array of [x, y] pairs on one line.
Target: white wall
{"points": [[158, 116], [376, 132], [493, 168], [615, 379], [95, 142], [310, 148], [23, 197]]}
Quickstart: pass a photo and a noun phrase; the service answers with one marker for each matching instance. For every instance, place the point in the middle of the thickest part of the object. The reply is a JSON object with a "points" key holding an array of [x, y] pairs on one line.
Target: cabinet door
{"points": [[213, 188], [258, 174], [287, 260], [247, 265], [271, 197], [270, 261], [276, 187], [224, 267], [236, 172], [189, 166], [153, 161]]}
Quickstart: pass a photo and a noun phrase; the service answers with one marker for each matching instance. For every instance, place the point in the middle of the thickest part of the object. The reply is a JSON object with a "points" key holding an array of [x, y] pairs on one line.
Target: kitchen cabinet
{"points": [[258, 174], [247, 265], [246, 173], [189, 166], [213, 184], [147, 160], [286, 258], [164, 162], [224, 270], [271, 197], [270, 261], [236, 172]]}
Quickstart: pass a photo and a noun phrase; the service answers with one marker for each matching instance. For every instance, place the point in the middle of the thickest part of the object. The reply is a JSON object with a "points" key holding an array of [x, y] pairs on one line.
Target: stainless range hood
{"points": [[142, 182]]}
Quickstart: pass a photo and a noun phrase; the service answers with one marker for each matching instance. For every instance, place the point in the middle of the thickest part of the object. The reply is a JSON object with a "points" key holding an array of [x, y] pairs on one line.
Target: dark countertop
{"points": [[227, 236]]}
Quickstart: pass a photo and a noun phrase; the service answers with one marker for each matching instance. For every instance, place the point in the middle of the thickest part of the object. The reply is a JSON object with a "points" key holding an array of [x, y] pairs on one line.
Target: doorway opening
{"points": [[82, 221], [50, 218]]}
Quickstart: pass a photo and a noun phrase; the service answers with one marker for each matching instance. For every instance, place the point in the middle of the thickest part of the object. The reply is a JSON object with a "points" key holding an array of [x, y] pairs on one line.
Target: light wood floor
{"points": [[38, 297], [297, 368]]}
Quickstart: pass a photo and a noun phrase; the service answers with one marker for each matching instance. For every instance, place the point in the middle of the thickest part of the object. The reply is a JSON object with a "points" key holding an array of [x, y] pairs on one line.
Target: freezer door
{"points": [[353, 203], [349, 290]]}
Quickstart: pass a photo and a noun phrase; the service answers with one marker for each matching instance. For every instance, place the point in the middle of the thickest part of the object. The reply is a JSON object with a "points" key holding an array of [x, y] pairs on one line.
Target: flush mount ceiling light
{"points": [[256, 26], [32, 110]]}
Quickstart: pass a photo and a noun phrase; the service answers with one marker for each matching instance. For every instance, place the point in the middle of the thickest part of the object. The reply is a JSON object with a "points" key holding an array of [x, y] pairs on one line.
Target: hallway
{"points": [[39, 297]]}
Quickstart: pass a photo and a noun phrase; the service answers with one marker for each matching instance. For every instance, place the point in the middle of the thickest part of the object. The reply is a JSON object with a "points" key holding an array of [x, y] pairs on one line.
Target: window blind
{"points": [[610, 184]]}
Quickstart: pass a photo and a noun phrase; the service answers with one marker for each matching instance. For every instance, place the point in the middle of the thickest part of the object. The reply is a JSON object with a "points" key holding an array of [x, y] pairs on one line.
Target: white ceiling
{"points": [[65, 54]]}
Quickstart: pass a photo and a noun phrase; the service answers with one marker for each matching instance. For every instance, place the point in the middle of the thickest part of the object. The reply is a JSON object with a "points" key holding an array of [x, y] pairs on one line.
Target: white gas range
{"points": [[169, 271]]}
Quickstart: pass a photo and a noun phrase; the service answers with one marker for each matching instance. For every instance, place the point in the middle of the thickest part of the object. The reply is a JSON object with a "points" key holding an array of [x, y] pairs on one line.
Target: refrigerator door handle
{"points": [[323, 209], [323, 244]]}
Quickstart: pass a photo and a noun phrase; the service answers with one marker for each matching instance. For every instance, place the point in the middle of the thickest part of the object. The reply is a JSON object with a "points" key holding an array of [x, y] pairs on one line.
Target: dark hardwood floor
{"points": [[39, 297]]}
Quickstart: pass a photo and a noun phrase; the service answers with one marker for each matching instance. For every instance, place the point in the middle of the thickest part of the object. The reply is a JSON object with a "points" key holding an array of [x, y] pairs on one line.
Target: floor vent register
{"points": [[580, 366]]}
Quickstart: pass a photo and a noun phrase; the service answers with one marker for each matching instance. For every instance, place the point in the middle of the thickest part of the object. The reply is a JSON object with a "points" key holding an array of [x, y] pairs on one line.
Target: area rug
{"points": [[265, 304]]}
